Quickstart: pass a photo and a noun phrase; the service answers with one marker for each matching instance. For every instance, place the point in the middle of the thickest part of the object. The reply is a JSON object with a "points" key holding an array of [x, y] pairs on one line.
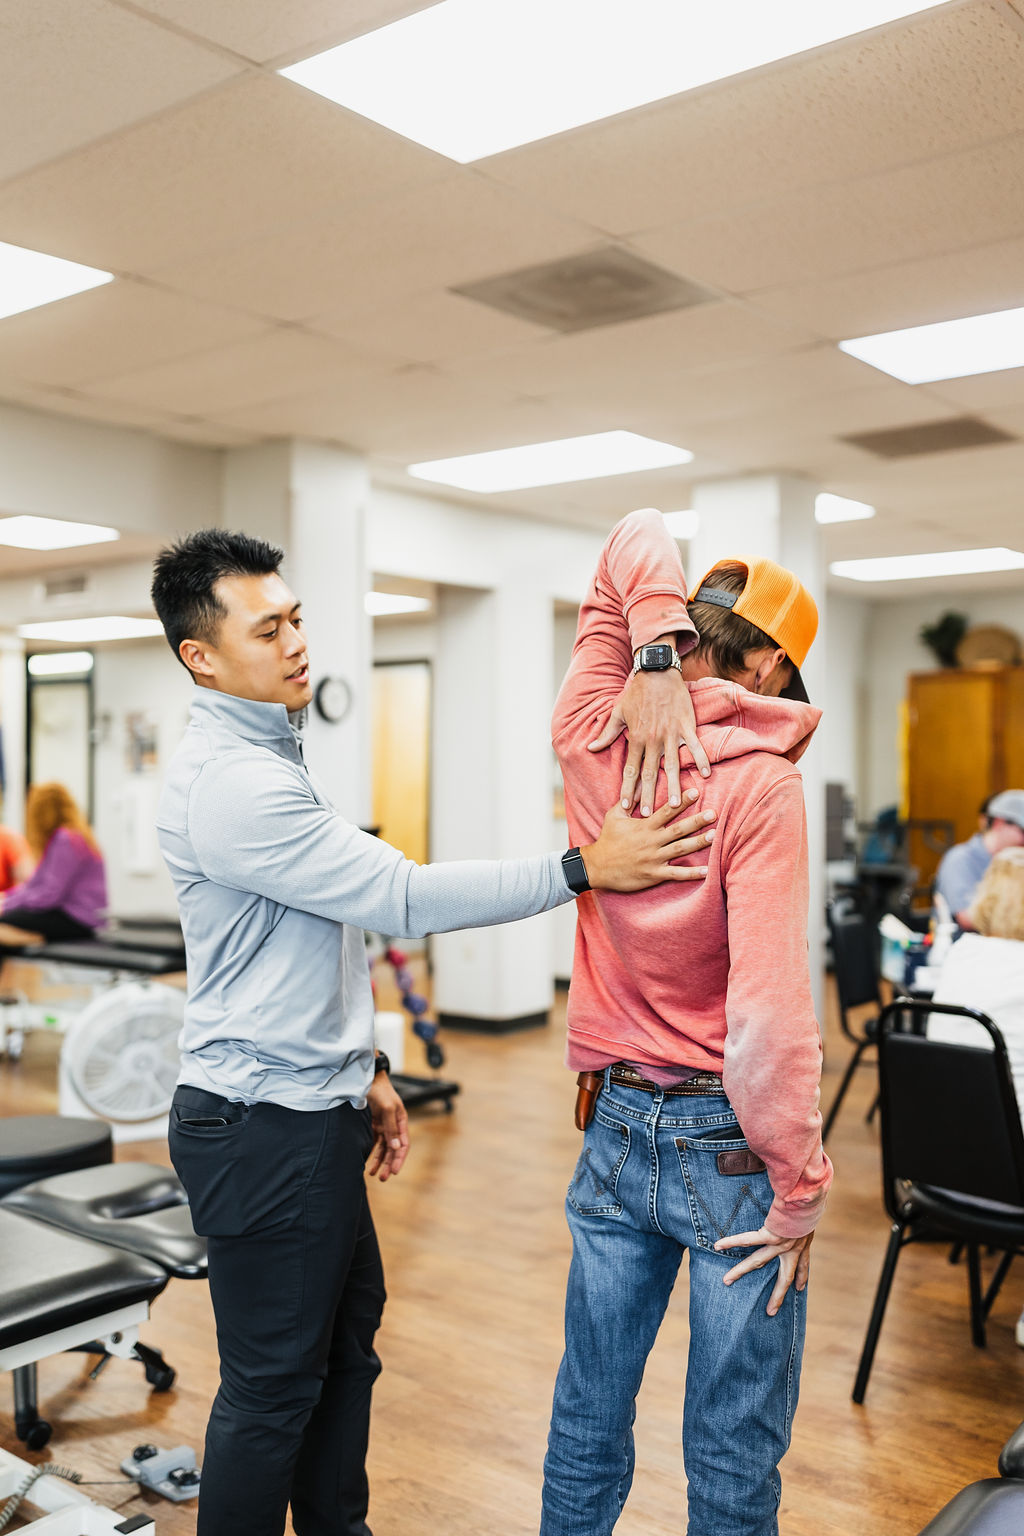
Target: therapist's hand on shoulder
{"points": [[656, 710], [390, 1129], [634, 853]]}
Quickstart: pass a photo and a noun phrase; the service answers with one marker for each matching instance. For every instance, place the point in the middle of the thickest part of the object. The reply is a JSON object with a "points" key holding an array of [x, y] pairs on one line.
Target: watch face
{"points": [[655, 658]]}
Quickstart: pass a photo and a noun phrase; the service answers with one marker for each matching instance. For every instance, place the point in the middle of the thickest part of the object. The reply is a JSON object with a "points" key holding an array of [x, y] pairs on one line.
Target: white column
{"points": [[773, 516], [312, 499], [493, 779], [13, 707]]}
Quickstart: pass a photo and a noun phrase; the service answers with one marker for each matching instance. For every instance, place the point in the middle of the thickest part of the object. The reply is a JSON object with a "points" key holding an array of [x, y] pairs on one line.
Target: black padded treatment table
{"points": [[82, 1255]]}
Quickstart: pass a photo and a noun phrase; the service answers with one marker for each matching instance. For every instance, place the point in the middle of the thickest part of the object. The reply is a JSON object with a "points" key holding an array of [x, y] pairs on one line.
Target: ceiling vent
{"points": [[580, 293], [930, 437], [62, 589]]}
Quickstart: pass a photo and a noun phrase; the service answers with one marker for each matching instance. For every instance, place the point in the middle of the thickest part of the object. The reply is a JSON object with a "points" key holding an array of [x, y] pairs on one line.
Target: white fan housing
{"points": [[121, 1058]]}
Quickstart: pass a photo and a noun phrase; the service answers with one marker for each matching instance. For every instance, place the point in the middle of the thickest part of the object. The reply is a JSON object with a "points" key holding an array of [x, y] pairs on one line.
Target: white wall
{"points": [[142, 677], [893, 650]]}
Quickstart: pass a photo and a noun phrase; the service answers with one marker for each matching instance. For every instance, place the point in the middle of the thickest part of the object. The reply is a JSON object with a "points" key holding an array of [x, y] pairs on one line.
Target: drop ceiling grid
{"points": [[75, 70], [235, 164], [934, 85], [918, 292], [452, 230], [264, 30]]}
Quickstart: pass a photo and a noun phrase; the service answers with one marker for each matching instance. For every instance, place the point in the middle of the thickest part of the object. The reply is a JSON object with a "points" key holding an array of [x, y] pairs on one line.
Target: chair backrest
{"points": [[949, 1113], [855, 958]]}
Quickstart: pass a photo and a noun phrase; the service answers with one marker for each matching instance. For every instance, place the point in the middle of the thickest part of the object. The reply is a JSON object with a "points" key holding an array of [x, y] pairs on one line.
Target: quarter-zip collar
{"points": [[264, 724]]}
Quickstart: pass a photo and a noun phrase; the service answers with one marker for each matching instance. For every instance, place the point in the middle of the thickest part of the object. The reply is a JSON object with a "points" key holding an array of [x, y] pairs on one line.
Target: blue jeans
{"points": [[647, 1187]]}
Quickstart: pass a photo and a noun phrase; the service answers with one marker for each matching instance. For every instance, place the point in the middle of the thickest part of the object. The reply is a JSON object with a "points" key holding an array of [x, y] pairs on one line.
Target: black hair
{"points": [[185, 576]]}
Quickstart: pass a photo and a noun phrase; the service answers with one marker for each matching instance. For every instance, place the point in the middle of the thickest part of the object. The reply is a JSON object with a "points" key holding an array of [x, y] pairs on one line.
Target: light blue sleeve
{"points": [[265, 832], [956, 880]]}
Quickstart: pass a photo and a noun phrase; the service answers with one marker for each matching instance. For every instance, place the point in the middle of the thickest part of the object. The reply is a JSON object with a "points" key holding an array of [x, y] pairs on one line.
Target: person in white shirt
{"points": [[985, 970]]}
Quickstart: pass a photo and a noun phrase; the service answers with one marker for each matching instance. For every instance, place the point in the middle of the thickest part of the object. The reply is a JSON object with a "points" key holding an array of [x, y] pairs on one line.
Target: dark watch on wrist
{"points": [[656, 658], [575, 871], [381, 1063]]}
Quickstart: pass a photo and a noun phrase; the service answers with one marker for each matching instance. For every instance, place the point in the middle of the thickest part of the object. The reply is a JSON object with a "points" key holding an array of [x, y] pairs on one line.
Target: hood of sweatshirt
{"points": [[732, 721]]}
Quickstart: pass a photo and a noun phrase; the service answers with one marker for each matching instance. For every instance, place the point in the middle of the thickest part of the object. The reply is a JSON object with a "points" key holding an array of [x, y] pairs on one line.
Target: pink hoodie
{"points": [[710, 975]]}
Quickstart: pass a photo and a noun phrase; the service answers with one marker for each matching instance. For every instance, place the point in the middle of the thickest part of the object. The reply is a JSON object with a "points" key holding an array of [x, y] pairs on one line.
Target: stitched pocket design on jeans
{"points": [[593, 1190], [721, 1204]]}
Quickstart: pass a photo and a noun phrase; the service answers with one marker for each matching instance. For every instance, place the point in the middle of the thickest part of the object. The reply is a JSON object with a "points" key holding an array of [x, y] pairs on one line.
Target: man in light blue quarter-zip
{"points": [[280, 1101]]}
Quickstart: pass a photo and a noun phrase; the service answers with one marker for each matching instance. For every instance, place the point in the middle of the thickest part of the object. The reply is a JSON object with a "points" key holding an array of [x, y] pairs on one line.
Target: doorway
{"points": [[401, 756]]}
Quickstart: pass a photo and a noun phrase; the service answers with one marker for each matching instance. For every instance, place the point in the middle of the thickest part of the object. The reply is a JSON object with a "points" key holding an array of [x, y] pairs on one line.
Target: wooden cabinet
{"points": [[965, 740]]}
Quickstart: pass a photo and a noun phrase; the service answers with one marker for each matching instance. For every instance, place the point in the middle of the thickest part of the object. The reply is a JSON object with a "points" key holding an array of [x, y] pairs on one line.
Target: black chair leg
{"points": [[1002, 1270], [29, 1427], [956, 1253], [873, 1111], [885, 1280], [852, 1066], [977, 1306]]}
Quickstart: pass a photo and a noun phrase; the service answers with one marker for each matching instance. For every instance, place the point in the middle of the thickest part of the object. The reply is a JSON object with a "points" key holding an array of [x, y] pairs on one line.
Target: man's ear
{"points": [[195, 658], [766, 666]]}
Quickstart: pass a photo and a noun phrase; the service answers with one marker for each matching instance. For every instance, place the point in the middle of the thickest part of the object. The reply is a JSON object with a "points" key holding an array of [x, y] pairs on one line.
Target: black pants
{"points": [[297, 1290], [52, 922]]}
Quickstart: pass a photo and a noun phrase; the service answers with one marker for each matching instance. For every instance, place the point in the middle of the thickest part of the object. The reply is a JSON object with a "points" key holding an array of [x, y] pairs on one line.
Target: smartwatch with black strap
{"points": [[575, 871]]}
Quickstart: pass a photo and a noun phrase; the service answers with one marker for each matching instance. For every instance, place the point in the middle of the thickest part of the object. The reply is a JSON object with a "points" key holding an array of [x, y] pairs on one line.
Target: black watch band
{"points": [[575, 871], [382, 1062]]}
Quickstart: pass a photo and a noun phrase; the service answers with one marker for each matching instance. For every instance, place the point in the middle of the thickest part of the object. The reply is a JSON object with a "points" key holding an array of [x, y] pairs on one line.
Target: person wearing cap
{"points": [[962, 867], [692, 1028]]}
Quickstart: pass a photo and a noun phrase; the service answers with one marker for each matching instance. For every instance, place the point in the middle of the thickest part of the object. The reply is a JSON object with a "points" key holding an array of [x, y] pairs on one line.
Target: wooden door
{"points": [[1013, 732], [952, 750], [401, 756]]}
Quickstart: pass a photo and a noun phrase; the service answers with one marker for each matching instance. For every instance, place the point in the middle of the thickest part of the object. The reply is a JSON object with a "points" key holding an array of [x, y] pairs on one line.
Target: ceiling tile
{"points": [[73, 70], [231, 377], [429, 327], [119, 328], [266, 29], [68, 402], [970, 282], [410, 414], [938, 82], [716, 334], [447, 232], [258, 154], [983, 391], [949, 204]]}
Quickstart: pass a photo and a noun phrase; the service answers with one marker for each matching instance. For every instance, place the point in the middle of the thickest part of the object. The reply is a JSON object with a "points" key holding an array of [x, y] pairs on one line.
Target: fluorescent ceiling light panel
{"points": [[61, 664], [469, 78], [28, 279], [840, 509], [52, 533], [682, 525], [380, 604], [950, 349], [89, 631], [953, 562], [556, 463]]}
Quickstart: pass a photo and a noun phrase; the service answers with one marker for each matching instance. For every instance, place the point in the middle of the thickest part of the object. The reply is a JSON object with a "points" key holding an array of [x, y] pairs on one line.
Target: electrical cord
{"points": [[12, 1504]]}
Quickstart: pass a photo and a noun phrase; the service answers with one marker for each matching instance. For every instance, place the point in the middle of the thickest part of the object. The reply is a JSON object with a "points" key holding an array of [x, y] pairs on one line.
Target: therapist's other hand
{"points": [[633, 854], [793, 1254], [390, 1129], [657, 711]]}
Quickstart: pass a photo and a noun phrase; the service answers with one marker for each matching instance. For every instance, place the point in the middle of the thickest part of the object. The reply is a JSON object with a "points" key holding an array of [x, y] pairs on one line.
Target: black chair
{"points": [[854, 944], [951, 1138]]}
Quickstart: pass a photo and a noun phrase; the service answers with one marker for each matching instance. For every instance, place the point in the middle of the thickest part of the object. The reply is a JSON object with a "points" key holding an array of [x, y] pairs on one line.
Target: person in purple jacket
{"points": [[66, 896]]}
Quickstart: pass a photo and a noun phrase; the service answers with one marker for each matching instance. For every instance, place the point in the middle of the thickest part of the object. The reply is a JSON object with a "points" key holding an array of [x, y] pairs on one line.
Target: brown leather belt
{"points": [[589, 1085], [702, 1083]]}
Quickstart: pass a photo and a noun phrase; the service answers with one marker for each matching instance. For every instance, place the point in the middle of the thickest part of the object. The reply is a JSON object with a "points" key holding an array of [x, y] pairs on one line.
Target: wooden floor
{"points": [[476, 1252]]}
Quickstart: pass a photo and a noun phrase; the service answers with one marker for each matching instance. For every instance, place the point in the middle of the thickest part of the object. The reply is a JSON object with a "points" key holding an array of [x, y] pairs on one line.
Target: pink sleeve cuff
{"points": [[660, 613]]}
